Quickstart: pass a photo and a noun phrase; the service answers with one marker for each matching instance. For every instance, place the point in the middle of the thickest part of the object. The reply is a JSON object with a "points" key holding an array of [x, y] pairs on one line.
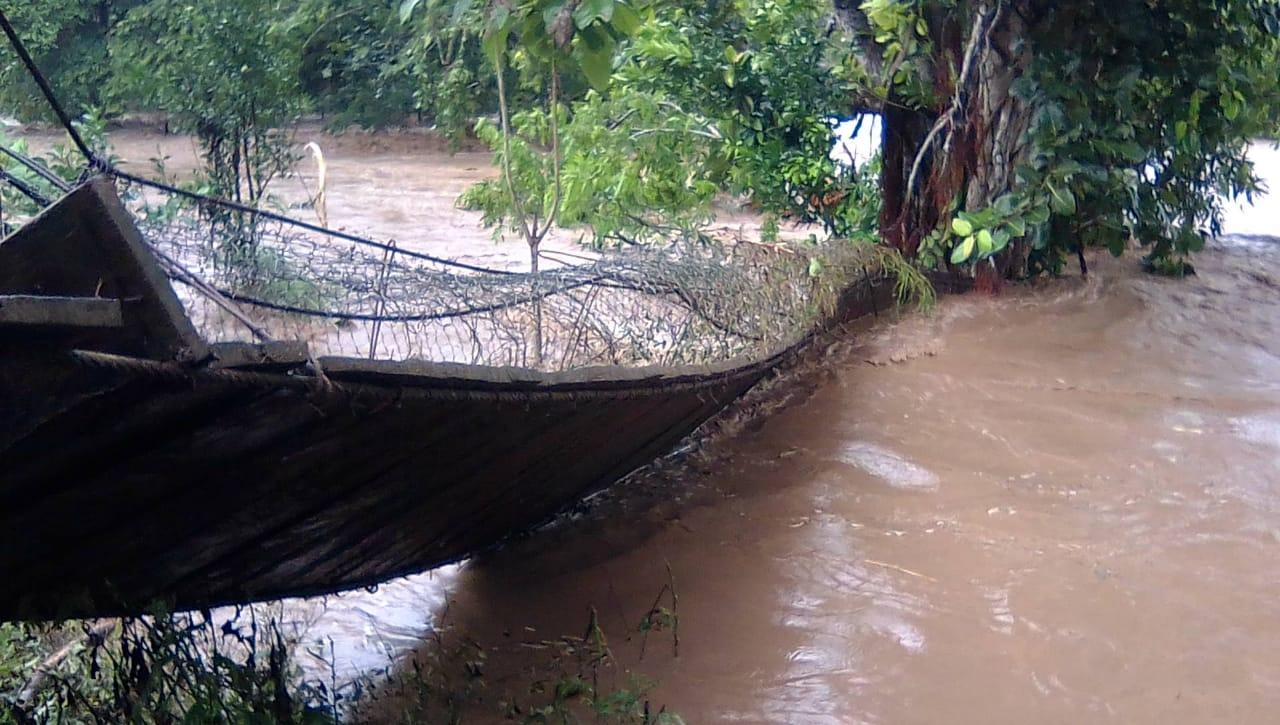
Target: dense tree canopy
{"points": [[1016, 132], [68, 38], [221, 76]]}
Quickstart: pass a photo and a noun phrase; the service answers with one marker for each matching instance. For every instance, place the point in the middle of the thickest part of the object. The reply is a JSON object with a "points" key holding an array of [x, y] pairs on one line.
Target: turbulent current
{"points": [[1059, 504]]}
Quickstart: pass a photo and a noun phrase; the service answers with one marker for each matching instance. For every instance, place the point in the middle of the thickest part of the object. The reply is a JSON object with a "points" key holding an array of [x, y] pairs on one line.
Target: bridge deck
{"points": [[139, 465]]}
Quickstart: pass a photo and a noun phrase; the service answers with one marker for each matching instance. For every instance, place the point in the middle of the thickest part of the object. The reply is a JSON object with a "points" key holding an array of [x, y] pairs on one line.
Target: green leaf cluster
{"points": [[68, 40], [355, 67], [1148, 145], [703, 100], [981, 235], [221, 73]]}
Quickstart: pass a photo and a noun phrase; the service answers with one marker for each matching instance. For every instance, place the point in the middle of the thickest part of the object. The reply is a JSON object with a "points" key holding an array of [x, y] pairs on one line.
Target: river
{"points": [[393, 185], [1060, 504]]}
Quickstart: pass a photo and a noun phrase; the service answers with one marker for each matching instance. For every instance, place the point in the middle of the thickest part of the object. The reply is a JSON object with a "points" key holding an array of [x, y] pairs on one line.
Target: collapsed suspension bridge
{"points": [[204, 403]]}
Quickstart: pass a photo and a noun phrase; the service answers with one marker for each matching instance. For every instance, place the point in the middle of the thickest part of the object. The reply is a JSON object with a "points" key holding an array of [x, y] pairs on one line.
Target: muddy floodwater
{"points": [[1060, 504]]}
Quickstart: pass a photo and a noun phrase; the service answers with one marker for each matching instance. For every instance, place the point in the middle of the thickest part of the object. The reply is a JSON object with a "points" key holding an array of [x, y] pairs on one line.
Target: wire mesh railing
{"points": [[243, 275]]}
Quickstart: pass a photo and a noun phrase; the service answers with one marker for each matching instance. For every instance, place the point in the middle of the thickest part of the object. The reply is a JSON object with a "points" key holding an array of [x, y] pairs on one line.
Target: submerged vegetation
{"points": [[191, 668], [570, 679]]}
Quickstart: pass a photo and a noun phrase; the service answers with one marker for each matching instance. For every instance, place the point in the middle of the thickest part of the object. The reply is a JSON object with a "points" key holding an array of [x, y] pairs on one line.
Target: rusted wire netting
{"points": [[246, 276]]}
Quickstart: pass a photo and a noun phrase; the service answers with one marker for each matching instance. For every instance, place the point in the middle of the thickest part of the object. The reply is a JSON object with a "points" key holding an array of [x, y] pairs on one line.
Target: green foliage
{"points": [[570, 679], [529, 172], [453, 82], [219, 74], [980, 235], [161, 669], [762, 73], [553, 40], [856, 212], [1131, 145], [68, 39], [267, 275], [900, 29], [703, 99], [628, 118], [632, 166], [577, 37], [909, 282], [18, 656], [628, 169], [64, 160], [352, 65], [355, 63], [1130, 120], [583, 662]]}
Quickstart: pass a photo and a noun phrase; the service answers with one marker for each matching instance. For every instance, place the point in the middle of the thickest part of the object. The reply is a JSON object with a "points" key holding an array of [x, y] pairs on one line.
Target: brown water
{"points": [[1061, 504]]}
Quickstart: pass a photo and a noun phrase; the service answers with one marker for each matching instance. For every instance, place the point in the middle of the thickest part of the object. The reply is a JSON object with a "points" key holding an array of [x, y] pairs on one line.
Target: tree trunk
{"points": [[537, 303], [903, 222], [962, 154]]}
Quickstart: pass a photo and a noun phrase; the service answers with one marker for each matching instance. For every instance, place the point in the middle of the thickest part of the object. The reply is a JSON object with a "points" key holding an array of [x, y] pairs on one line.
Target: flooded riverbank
{"points": [[399, 185], [1060, 504]]}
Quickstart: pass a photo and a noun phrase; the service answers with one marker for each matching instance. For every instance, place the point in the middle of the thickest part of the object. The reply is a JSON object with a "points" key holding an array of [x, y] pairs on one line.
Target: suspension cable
{"points": [[26, 189], [37, 168]]}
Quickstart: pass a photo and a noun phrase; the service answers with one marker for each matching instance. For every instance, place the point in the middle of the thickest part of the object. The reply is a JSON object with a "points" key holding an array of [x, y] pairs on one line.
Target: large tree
{"points": [[1017, 131]]}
